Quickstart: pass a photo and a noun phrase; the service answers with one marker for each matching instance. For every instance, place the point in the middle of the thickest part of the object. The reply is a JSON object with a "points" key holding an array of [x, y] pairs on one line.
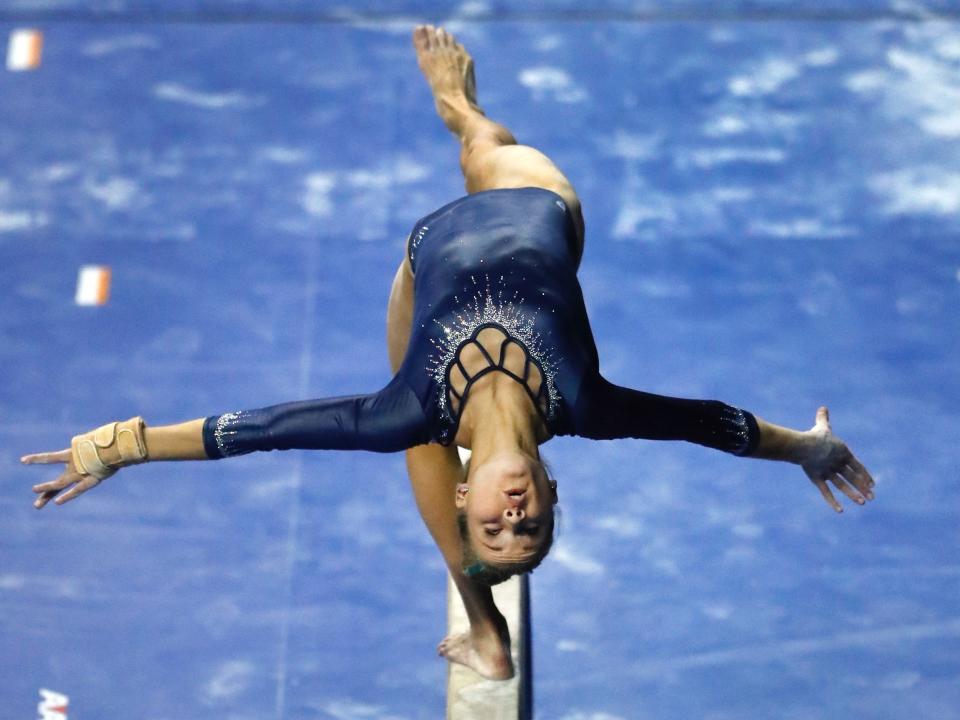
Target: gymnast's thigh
{"points": [[400, 314], [494, 167]]}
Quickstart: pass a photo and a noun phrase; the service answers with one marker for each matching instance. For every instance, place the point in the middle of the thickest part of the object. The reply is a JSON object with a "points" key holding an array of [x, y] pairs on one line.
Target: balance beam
{"points": [[471, 697]]}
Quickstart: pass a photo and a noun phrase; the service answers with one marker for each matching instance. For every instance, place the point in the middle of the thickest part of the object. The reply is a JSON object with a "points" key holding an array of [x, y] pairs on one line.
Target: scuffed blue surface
{"points": [[772, 213]]}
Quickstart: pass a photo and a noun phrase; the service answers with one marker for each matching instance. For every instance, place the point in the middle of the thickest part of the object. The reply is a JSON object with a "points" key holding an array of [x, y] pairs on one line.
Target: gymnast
{"points": [[491, 349]]}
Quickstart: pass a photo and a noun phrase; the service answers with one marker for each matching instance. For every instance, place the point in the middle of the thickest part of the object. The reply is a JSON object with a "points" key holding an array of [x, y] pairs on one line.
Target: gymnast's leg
{"points": [[489, 155]]}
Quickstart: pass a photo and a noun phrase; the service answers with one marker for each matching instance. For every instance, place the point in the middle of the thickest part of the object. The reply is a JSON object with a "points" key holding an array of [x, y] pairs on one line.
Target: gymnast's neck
{"points": [[499, 417]]}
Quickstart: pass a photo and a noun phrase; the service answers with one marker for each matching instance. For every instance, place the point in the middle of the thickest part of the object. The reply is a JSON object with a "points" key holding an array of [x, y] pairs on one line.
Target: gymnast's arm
{"points": [[385, 421], [606, 411], [435, 470]]}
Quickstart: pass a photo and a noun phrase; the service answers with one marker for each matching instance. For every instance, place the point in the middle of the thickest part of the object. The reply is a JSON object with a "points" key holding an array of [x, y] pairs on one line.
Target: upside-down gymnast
{"points": [[491, 349]]}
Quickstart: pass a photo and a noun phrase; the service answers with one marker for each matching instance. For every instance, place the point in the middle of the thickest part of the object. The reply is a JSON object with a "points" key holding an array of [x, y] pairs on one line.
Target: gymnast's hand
{"points": [[71, 480], [827, 459], [824, 457], [91, 458]]}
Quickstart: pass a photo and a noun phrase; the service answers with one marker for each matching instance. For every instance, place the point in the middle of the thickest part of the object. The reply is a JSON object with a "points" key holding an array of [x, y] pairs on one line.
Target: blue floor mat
{"points": [[772, 220]]}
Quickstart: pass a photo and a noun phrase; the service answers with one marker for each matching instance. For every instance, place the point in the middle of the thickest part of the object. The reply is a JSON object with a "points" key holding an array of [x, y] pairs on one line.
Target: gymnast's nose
{"points": [[513, 515]]}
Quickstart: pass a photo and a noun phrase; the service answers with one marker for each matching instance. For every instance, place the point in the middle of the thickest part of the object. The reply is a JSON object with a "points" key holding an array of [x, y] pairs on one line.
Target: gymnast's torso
{"points": [[495, 290]]}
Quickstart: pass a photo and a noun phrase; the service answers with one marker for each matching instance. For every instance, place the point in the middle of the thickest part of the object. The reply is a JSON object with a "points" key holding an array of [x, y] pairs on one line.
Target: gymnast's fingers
{"points": [[46, 458], [860, 470], [51, 489], [857, 481], [845, 487], [823, 419], [67, 477], [81, 487], [827, 495], [45, 498]]}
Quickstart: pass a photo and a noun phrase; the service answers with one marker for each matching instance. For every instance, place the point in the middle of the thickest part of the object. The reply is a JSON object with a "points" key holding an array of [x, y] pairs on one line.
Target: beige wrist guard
{"points": [[103, 451]]}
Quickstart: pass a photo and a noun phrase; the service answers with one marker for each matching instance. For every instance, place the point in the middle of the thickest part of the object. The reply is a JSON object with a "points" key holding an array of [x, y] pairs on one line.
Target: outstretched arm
{"points": [[824, 457], [607, 411], [434, 472], [385, 421]]}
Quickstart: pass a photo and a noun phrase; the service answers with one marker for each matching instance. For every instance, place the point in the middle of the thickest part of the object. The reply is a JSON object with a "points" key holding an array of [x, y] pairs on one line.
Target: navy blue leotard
{"points": [[504, 259]]}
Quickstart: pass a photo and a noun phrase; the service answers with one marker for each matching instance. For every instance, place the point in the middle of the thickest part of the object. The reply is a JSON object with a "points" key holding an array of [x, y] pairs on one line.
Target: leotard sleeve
{"points": [[386, 421], [606, 411]]}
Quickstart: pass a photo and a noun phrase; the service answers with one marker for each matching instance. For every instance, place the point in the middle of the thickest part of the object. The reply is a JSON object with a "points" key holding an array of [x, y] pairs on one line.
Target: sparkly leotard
{"points": [[506, 260]]}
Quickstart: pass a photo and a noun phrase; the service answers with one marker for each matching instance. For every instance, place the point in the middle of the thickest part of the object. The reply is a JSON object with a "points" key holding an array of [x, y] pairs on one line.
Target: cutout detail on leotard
{"points": [[518, 365]]}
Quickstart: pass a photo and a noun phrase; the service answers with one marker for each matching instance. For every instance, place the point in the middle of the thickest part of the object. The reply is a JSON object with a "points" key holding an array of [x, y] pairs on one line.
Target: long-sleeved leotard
{"points": [[503, 259]]}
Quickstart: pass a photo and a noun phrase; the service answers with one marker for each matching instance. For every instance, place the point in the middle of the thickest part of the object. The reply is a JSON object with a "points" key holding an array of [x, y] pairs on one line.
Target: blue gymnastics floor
{"points": [[772, 199]]}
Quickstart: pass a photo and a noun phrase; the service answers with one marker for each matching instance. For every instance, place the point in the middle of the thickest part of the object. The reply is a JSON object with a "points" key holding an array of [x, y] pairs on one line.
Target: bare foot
{"points": [[448, 68], [489, 656]]}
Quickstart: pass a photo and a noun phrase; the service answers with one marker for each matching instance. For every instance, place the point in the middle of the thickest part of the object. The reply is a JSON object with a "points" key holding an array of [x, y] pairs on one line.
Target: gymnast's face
{"points": [[509, 507]]}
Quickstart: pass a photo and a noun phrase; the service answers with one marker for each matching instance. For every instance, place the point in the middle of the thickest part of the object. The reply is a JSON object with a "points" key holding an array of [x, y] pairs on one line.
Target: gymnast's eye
{"points": [[493, 531]]}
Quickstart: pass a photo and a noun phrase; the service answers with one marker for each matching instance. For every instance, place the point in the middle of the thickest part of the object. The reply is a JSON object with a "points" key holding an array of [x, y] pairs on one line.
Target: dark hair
{"points": [[495, 573]]}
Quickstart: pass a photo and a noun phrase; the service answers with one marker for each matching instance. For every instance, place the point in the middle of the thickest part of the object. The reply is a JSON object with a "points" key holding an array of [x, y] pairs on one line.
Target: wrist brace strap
{"points": [[100, 452]]}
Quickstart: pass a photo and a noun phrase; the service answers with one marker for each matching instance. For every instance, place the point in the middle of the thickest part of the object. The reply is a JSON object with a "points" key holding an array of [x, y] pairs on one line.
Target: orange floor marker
{"points": [[93, 285], [24, 50]]}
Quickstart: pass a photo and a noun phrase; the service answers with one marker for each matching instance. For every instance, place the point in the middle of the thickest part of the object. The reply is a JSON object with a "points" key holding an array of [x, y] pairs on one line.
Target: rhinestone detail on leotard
{"points": [[488, 306], [224, 433], [737, 429]]}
